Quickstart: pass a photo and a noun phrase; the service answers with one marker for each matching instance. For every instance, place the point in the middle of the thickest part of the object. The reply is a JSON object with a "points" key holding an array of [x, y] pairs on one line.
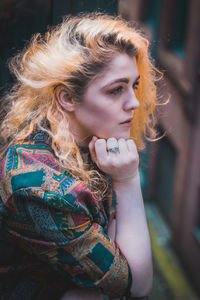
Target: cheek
{"points": [[100, 113]]}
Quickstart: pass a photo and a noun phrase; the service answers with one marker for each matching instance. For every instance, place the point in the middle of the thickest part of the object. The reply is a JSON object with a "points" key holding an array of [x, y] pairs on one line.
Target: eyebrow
{"points": [[126, 80]]}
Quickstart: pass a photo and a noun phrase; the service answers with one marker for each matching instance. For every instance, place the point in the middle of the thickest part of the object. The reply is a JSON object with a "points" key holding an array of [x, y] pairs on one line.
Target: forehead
{"points": [[120, 66]]}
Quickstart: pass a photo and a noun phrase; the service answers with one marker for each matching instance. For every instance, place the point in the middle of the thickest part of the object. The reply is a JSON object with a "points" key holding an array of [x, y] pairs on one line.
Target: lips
{"points": [[127, 121], [127, 124]]}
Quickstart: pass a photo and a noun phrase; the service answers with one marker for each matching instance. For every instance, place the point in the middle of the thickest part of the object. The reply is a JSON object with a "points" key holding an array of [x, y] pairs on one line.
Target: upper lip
{"points": [[128, 120]]}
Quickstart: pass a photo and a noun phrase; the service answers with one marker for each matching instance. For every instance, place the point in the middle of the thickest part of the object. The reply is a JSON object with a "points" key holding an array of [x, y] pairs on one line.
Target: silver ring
{"points": [[113, 149]]}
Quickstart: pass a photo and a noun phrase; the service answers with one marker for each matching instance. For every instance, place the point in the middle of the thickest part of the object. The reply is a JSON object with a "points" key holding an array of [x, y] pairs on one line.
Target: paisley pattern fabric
{"points": [[53, 231]]}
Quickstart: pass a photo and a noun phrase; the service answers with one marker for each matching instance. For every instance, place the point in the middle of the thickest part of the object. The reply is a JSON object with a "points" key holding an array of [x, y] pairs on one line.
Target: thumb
{"points": [[92, 148]]}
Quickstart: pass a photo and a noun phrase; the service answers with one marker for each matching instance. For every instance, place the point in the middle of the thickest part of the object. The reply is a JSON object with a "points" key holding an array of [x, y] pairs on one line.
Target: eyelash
{"points": [[120, 88]]}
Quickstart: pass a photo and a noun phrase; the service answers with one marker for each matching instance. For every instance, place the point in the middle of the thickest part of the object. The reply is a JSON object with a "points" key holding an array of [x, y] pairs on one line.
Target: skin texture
{"points": [[131, 230], [104, 105], [112, 162], [96, 123]]}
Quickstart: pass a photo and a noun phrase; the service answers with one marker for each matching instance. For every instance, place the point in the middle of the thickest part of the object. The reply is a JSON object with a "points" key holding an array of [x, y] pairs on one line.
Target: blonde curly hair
{"points": [[71, 54]]}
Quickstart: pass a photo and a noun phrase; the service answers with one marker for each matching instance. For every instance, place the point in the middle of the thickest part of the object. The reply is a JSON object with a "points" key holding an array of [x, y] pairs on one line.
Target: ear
{"points": [[64, 99]]}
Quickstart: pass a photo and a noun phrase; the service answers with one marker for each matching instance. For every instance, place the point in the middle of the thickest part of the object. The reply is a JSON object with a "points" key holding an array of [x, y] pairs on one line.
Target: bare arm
{"points": [[132, 233]]}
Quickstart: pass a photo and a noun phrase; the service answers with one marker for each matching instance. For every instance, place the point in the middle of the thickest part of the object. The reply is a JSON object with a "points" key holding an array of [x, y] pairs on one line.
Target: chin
{"points": [[119, 135], [124, 135]]}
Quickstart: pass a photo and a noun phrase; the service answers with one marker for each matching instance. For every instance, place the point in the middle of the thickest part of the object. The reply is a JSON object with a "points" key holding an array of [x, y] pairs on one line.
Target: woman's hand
{"points": [[122, 165], [132, 233]]}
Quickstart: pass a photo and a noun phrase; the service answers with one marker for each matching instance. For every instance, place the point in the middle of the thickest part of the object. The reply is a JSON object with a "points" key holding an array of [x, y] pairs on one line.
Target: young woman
{"points": [[73, 223]]}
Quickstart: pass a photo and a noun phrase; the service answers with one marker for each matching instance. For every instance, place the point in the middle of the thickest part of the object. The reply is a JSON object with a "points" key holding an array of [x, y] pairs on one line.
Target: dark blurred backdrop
{"points": [[172, 175]]}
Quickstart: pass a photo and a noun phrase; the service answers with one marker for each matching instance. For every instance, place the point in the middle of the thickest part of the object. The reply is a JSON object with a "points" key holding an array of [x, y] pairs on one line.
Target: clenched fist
{"points": [[121, 164]]}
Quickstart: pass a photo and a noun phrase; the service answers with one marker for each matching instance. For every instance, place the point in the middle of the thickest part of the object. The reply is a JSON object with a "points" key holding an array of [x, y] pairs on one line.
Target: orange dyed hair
{"points": [[71, 54]]}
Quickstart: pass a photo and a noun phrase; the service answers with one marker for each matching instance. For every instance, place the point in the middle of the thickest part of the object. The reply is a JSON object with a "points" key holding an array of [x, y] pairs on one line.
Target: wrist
{"points": [[124, 180]]}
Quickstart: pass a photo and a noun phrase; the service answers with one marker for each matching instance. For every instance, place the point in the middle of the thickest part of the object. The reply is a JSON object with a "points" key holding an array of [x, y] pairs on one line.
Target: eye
{"points": [[117, 90], [135, 85]]}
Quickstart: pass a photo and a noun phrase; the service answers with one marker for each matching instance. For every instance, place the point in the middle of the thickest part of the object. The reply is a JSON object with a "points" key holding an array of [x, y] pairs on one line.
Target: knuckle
{"points": [[135, 160], [134, 156], [100, 142], [131, 141], [111, 140], [132, 144], [121, 140]]}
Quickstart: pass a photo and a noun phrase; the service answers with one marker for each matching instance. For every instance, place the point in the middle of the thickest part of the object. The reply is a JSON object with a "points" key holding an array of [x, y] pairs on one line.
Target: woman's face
{"points": [[107, 107]]}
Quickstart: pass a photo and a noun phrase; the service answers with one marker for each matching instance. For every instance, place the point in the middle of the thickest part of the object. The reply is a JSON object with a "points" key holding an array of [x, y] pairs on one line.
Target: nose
{"points": [[131, 102]]}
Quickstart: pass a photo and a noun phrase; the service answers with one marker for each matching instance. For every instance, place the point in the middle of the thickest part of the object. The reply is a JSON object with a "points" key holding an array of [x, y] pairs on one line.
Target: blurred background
{"points": [[170, 168]]}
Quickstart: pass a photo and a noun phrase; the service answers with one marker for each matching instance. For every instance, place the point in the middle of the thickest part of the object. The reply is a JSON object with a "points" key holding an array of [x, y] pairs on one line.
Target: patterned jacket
{"points": [[53, 231]]}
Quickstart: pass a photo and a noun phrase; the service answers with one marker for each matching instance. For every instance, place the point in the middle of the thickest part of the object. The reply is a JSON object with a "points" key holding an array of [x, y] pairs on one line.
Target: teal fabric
{"points": [[54, 228]]}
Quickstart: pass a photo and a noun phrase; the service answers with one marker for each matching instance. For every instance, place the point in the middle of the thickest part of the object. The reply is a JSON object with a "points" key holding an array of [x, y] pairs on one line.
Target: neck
{"points": [[83, 142]]}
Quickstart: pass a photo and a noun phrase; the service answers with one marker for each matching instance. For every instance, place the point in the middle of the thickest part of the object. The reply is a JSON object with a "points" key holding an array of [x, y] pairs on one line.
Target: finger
{"points": [[100, 148], [131, 145], [112, 143], [123, 148], [92, 148]]}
